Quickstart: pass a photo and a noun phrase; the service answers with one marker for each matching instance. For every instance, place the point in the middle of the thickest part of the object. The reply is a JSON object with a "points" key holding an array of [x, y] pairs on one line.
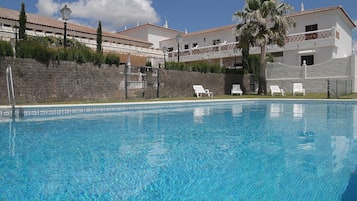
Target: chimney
{"points": [[166, 25], [302, 7]]}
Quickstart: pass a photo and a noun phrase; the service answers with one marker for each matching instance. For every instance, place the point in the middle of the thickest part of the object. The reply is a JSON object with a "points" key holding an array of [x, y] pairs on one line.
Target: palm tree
{"points": [[244, 40], [267, 23]]}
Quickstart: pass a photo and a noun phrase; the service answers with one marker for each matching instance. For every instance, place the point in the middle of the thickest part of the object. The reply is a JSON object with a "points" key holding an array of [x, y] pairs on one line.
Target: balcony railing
{"points": [[313, 35], [227, 49]]}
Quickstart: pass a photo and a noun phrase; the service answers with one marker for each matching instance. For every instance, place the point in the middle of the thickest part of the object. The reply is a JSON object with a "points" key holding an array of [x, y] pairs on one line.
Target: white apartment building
{"points": [[44, 26], [320, 35]]}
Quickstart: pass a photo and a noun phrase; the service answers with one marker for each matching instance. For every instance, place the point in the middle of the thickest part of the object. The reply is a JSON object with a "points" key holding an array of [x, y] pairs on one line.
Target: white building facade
{"points": [[320, 35], [43, 26]]}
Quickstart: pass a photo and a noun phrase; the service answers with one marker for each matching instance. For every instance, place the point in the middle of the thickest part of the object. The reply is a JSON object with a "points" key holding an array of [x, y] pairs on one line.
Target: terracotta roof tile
{"points": [[148, 25], [54, 23], [211, 30]]}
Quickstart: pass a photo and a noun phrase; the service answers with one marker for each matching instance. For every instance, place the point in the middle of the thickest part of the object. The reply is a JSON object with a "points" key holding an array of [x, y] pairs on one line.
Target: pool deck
{"points": [[73, 109]]}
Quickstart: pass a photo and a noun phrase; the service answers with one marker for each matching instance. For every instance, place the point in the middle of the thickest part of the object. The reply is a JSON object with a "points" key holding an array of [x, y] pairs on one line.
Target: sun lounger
{"points": [[199, 90]]}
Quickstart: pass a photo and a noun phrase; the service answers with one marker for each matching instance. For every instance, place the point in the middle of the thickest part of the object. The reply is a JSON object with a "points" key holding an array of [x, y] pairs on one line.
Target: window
{"points": [[186, 47], [308, 58], [216, 42], [194, 45], [170, 49], [309, 28]]}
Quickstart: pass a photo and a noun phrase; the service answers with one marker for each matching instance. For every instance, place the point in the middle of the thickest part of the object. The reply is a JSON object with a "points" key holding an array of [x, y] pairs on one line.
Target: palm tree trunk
{"points": [[262, 78]]}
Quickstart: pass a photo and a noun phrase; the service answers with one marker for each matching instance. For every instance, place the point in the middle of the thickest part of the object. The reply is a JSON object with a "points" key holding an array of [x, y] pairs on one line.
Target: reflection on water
{"points": [[237, 110], [12, 137], [276, 109], [313, 120], [341, 147], [144, 150], [298, 110], [199, 113], [306, 141]]}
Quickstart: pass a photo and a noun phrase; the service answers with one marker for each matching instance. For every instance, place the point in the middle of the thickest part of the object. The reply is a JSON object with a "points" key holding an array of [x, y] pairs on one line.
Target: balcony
{"points": [[318, 38]]}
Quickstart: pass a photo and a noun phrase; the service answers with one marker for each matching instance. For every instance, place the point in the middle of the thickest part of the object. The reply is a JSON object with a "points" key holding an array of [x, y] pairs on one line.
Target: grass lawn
{"points": [[287, 96]]}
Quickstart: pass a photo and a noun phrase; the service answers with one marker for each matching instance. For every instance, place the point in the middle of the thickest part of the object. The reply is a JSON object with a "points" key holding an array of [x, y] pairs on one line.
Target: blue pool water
{"points": [[238, 150]]}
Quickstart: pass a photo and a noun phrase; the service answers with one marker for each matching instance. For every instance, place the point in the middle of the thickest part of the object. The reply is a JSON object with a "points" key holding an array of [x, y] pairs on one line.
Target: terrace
{"points": [[295, 41]]}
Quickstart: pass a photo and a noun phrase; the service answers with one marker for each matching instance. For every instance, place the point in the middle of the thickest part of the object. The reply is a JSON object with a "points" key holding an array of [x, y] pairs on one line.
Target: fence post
{"points": [[328, 88], [336, 85], [158, 83], [126, 80], [304, 66]]}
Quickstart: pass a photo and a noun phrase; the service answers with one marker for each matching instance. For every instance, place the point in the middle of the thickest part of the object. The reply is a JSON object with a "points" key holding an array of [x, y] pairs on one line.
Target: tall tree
{"points": [[268, 24], [99, 38], [22, 22], [244, 41]]}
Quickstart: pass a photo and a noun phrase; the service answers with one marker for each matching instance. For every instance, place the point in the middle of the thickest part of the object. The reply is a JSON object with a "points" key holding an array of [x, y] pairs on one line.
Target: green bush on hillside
{"points": [[111, 59], [46, 49], [6, 49], [202, 67]]}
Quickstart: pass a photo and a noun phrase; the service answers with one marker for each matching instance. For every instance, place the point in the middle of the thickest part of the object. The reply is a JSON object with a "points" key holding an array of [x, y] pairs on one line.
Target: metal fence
{"points": [[337, 88]]}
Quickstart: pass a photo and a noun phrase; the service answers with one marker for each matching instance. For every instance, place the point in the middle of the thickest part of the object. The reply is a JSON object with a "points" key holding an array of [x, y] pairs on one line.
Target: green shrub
{"points": [[83, 55], [111, 59], [98, 59], [35, 50], [6, 49], [64, 55], [25, 49], [44, 54]]}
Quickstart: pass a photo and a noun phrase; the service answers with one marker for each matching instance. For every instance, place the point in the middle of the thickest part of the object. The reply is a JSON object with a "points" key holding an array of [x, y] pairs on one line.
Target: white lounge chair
{"points": [[236, 89], [298, 89], [199, 90], [275, 89]]}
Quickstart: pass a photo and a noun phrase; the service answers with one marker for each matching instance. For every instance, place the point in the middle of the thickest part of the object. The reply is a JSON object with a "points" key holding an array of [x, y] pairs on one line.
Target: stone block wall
{"points": [[71, 82]]}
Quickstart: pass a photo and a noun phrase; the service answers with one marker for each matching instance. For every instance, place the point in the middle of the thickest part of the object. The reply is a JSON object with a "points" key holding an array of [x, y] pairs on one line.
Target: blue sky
{"points": [[193, 15]]}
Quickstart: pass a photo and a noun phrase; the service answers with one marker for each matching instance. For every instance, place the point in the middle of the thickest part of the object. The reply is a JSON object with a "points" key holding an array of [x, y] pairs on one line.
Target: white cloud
{"points": [[114, 14]]}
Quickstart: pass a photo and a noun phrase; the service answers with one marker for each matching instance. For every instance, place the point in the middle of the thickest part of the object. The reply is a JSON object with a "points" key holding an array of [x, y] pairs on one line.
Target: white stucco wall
{"points": [[344, 40], [203, 39], [151, 33], [354, 73], [141, 34], [325, 20], [322, 54], [314, 77]]}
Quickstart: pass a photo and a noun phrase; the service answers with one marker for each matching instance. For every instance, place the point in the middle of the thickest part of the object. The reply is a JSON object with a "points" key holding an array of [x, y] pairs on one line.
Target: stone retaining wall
{"points": [[71, 82]]}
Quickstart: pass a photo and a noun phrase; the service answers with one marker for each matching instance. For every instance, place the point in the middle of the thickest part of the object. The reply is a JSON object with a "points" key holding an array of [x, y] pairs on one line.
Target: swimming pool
{"points": [[226, 150]]}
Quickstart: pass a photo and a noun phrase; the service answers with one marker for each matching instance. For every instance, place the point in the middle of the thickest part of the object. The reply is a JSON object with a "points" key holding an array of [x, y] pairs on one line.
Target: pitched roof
{"points": [[148, 25], [319, 10], [211, 30], [54, 23]]}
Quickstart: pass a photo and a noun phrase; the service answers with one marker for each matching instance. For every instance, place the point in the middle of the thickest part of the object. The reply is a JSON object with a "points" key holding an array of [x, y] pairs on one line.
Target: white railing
{"points": [[313, 35], [115, 47], [227, 50], [212, 52]]}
